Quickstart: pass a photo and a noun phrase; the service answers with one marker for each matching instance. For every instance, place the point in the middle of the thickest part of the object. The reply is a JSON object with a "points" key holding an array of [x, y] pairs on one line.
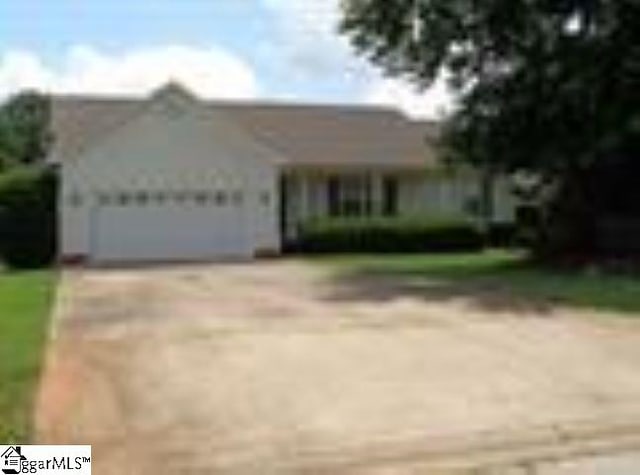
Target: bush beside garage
{"points": [[28, 217]]}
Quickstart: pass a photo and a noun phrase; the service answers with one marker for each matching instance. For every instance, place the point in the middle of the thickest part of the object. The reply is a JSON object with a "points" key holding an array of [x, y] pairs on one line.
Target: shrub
{"points": [[27, 217], [416, 234], [503, 235]]}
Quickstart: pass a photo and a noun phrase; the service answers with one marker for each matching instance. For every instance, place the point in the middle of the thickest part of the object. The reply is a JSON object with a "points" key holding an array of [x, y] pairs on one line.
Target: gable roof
{"points": [[305, 135]]}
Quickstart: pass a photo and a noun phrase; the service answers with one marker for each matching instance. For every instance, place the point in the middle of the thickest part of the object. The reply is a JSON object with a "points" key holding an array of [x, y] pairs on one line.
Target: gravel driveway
{"points": [[276, 367]]}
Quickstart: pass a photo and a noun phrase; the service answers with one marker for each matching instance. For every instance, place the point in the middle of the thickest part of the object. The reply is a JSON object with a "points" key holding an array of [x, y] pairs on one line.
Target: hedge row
{"points": [[417, 234], [504, 234], [27, 217]]}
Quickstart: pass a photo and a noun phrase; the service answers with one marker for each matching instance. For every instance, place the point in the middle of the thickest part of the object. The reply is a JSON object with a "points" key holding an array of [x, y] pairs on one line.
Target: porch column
{"points": [[377, 197]]}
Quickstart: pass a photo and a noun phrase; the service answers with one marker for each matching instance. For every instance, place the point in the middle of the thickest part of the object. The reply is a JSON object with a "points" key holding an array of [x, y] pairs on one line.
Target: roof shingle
{"points": [[304, 135]]}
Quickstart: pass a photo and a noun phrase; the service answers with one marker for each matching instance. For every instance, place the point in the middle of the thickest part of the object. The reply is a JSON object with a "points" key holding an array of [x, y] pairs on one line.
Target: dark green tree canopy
{"points": [[550, 87], [24, 129], [544, 84]]}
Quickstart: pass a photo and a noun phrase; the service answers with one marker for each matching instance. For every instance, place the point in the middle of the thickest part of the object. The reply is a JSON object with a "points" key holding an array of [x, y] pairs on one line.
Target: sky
{"points": [[285, 50]]}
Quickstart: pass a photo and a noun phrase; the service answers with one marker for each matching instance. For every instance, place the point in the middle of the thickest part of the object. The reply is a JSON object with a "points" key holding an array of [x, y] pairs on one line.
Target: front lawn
{"points": [[503, 272], [25, 300]]}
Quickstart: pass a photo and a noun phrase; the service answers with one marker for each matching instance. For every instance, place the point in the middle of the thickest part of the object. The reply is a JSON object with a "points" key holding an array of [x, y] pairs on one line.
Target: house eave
{"points": [[342, 167]]}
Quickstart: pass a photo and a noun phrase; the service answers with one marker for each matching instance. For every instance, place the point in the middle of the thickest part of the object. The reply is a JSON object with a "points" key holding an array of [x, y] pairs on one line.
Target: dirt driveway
{"points": [[276, 367]]}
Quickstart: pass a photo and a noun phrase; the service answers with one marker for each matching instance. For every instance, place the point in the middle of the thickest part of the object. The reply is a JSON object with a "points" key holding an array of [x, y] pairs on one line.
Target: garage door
{"points": [[139, 226]]}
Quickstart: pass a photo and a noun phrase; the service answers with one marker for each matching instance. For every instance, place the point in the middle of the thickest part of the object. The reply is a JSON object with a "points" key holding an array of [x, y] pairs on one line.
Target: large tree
{"points": [[550, 87], [24, 129]]}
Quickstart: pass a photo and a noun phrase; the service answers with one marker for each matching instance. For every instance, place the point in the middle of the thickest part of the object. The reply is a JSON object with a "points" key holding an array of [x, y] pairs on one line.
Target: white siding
{"points": [[447, 195], [166, 151], [505, 202], [74, 232]]}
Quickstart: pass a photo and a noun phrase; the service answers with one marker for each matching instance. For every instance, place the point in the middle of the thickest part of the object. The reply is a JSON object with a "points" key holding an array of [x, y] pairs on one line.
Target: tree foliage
{"points": [[24, 130], [545, 86], [28, 216]]}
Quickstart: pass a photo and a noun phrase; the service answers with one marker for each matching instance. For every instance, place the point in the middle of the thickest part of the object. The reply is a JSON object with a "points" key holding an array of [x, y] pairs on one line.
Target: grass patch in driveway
{"points": [[25, 301], [503, 272]]}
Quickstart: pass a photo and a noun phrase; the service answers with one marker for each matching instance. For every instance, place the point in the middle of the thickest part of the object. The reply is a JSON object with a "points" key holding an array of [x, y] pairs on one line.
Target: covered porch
{"points": [[309, 193]]}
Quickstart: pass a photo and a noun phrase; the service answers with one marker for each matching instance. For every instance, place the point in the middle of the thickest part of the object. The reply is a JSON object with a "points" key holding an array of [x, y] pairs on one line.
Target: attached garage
{"points": [[176, 181]]}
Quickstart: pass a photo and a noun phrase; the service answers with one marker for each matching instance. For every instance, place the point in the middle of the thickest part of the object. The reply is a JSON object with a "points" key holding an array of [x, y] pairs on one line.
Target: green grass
{"points": [[25, 299], [506, 272]]}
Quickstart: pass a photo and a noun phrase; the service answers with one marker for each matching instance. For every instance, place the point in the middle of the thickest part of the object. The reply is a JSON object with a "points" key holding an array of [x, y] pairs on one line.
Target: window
{"points": [[180, 197], [200, 197], [142, 198], [220, 198], [350, 195], [390, 196], [123, 198], [158, 197], [236, 197]]}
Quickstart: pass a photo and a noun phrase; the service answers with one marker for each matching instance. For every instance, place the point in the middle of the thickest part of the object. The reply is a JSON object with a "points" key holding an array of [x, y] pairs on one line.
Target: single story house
{"points": [[173, 177]]}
